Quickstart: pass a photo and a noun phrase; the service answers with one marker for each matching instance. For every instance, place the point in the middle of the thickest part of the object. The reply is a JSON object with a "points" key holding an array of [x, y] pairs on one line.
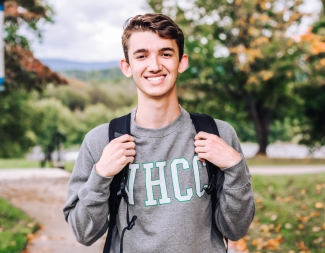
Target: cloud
{"points": [[86, 30]]}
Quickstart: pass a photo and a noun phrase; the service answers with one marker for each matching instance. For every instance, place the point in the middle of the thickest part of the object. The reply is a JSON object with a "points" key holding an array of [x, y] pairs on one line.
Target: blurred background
{"points": [[258, 64]]}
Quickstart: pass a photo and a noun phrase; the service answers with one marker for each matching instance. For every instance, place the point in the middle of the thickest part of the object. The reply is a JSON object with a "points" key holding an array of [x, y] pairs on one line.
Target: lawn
{"points": [[24, 163], [15, 228], [290, 215]]}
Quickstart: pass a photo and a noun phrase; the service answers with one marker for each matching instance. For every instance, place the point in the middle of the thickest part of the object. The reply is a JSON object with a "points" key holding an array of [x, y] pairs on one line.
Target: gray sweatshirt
{"points": [[166, 193]]}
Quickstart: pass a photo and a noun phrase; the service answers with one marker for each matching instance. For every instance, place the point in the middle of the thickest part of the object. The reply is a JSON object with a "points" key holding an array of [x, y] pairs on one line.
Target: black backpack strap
{"points": [[205, 123], [118, 127]]}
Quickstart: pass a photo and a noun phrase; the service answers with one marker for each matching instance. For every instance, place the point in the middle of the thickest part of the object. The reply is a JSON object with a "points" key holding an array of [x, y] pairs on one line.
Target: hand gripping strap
{"points": [[118, 126]]}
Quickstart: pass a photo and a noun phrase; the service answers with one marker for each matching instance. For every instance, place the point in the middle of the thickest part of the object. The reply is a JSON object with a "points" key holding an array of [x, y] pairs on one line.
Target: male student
{"points": [[167, 157]]}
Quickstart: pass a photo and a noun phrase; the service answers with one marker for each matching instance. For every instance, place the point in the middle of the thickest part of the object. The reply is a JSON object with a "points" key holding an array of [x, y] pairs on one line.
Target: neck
{"points": [[157, 113]]}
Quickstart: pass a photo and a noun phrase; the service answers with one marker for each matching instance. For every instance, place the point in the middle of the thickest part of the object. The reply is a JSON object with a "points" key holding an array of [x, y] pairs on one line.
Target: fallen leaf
{"points": [[288, 226], [274, 243], [314, 214], [316, 229], [30, 237], [30, 225], [278, 227], [319, 205], [318, 187], [302, 246], [319, 240]]}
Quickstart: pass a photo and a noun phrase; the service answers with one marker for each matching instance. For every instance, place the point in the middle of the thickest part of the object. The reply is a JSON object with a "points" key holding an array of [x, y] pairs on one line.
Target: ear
{"points": [[183, 64], [125, 67]]}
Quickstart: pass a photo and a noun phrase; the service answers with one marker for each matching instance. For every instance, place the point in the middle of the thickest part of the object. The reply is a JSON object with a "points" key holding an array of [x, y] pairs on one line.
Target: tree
{"points": [[312, 93], [20, 122], [243, 63]]}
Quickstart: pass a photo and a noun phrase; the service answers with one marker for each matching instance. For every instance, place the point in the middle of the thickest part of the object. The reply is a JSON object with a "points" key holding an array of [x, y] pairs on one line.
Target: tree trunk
{"points": [[261, 117]]}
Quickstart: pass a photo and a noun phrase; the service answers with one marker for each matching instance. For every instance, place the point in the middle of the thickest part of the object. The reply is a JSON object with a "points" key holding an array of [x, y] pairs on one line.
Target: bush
{"points": [[18, 123]]}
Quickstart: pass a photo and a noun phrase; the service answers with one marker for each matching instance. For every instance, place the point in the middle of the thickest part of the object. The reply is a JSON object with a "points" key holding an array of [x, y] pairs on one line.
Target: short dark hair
{"points": [[157, 23]]}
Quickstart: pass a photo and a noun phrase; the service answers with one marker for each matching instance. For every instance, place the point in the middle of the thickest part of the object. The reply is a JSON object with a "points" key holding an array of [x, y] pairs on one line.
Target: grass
{"points": [[260, 160], [24, 163], [15, 226], [290, 214]]}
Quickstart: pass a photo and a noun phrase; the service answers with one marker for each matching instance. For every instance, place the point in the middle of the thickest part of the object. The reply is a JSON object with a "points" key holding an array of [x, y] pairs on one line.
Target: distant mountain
{"points": [[60, 65]]}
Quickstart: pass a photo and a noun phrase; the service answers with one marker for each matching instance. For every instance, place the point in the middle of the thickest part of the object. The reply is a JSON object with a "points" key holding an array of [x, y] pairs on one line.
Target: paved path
{"points": [[41, 194]]}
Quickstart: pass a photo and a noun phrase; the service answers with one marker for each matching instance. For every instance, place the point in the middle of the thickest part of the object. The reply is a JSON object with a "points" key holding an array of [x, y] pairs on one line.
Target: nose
{"points": [[154, 64]]}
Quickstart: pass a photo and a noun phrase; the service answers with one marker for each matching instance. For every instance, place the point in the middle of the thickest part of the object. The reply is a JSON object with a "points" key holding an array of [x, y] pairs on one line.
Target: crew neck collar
{"points": [[158, 132]]}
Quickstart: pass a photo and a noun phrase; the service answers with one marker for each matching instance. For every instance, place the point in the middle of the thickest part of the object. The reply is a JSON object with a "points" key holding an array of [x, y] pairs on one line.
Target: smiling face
{"points": [[154, 64]]}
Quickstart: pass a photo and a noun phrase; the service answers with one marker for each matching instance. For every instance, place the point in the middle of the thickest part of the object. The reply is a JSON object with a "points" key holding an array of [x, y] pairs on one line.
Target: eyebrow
{"points": [[166, 49], [142, 50]]}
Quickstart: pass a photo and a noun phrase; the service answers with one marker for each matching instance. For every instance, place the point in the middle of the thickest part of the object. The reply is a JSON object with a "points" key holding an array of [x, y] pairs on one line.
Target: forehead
{"points": [[149, 41]]}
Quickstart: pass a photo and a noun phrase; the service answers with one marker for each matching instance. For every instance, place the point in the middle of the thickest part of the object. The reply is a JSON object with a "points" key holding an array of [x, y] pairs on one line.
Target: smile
{"points": [[155, 78]]}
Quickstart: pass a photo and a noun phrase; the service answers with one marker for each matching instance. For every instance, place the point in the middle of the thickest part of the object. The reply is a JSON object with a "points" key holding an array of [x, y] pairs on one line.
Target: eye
{"points": [[166, 55], [140, 57]]}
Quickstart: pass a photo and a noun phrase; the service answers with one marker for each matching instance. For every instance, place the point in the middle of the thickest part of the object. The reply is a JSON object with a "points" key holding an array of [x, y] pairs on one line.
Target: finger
{"points": [[130, 159], [201, 135], [124, 138], [200, 143], [130, 152], [202, 157], [128, 145], [200, 150]]}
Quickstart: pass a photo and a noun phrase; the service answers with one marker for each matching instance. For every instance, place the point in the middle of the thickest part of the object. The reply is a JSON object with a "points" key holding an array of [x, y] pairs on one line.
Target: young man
{"points": [[167, 170]]}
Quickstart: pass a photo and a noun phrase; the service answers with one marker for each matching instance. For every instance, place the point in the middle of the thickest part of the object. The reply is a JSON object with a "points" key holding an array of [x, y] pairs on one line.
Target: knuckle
{"points": [[124, 160]]}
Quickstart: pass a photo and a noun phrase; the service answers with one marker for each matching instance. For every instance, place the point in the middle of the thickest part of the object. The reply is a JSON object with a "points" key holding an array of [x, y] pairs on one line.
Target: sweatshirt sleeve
{"points": [[86, 209], [236, 208]]}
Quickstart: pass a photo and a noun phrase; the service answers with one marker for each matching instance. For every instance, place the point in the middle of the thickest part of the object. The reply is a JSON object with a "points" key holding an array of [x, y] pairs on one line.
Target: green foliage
{"points": [[96, 76], [57, 117], [242, 66], [290, 214], [14, 228], [18, 123], [29, 15], [313, 115], [72, 96]]}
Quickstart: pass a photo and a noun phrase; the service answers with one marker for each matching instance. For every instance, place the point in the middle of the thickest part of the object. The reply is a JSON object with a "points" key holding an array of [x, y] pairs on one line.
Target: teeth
{"points": [[157, 78]]}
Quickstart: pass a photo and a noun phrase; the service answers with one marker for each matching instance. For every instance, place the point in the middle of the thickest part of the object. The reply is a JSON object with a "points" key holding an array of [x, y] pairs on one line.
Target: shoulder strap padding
{"points": [[205, 123], [117, 127]]}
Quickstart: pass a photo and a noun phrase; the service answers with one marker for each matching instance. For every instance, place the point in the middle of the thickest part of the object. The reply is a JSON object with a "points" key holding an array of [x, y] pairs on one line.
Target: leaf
{"points": [[30, 237], [302, 246], [319, 205]]}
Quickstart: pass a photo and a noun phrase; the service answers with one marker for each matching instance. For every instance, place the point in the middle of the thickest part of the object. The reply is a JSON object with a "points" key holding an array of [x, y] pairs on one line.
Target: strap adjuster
{"points": [[131, 223], [211, 185]]}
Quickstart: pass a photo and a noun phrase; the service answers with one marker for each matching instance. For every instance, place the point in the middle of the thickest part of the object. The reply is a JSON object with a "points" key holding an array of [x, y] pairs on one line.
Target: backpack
{"points": [[121, 125]]}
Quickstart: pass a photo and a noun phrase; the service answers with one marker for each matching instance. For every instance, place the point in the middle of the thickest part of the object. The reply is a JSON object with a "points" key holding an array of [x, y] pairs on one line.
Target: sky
{"points": [[90, 31], [87, 31]]}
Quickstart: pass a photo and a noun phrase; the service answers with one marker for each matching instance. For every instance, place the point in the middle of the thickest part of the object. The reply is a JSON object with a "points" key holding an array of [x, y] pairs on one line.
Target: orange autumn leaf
{"points": [[241, 245], [274, 243], [319, 205], [30, 237], [302, 246], [277, 229]]}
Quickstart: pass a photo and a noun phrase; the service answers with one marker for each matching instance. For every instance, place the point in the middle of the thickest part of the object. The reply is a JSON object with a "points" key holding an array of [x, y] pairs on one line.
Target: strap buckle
{"points": [[122, 192], [211, 185]]}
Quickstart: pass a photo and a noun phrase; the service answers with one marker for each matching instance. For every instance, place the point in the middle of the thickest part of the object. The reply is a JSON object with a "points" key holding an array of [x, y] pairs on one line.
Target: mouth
{"points": [[156, 79]]}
